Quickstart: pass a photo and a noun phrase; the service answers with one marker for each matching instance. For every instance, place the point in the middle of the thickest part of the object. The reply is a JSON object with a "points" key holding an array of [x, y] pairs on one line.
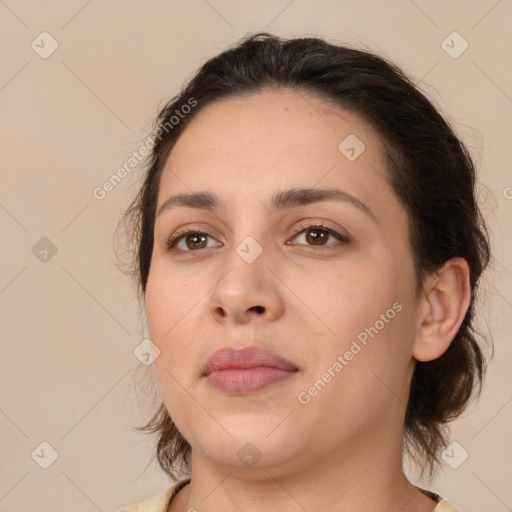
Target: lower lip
{"points": [[250, 380]]}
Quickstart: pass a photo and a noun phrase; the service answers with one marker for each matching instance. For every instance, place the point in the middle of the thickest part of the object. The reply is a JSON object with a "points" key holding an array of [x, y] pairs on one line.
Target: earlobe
{"points": [[442, 310]]}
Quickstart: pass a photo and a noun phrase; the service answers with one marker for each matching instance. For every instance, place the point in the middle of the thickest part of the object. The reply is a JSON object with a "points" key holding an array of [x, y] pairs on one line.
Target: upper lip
{"points": [[246, 357]]}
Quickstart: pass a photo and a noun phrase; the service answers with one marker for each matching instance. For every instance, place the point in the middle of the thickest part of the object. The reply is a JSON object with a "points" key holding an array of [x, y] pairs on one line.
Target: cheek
{"points": [[363, 312], [175, 312], [355, 300], [166, 310], [168, 302]]}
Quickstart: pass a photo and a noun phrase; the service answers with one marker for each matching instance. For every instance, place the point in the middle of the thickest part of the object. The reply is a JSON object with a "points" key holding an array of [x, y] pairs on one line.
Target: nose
{"points": [[247, 292]]}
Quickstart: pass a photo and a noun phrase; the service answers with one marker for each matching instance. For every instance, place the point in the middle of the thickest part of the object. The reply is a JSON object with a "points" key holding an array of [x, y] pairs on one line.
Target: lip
{"points": [[239, 371], [233, 358]]}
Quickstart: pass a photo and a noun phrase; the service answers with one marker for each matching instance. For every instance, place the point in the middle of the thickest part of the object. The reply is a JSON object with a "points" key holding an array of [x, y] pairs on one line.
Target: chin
{"points": [[251, 449]]}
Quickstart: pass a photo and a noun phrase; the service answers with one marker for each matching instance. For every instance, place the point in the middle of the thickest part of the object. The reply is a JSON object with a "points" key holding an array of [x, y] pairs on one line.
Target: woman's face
{"points": [[339, 305]]}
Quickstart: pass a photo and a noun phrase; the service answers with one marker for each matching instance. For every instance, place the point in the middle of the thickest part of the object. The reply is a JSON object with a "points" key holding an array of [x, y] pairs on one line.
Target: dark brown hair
{"points": [[430, 171]]}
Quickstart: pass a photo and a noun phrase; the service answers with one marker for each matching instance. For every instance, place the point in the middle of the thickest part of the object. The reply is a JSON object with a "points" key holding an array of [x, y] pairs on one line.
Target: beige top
{"points": [[160, 502]]}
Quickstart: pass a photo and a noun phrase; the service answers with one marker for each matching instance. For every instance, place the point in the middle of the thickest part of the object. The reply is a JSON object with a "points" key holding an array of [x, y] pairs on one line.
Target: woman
{"points": [[308, 248]]}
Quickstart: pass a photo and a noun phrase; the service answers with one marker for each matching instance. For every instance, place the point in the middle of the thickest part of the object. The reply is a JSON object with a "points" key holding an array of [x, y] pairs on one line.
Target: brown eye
{"points": [[192, 240], [195, 241], [318, 235]]}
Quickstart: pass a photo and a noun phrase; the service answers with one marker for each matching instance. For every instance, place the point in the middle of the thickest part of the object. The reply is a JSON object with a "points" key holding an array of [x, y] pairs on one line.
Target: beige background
{"points": [[69, 325]]}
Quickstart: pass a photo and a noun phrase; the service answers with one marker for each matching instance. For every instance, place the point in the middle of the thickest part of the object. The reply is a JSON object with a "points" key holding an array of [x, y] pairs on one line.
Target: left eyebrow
{"points": [[281, 200]]}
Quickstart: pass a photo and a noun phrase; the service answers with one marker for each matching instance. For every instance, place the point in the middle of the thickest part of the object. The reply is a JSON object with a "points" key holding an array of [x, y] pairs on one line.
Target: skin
{"points": [[343, 450]]}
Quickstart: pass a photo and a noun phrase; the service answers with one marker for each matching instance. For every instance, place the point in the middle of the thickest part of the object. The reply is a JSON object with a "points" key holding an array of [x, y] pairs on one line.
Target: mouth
{"points": [[251, 369]]}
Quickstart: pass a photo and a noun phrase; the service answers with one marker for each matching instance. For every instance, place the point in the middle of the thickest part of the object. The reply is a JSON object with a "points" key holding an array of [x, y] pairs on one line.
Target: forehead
{"points": [[248, 147], [279, 120]]}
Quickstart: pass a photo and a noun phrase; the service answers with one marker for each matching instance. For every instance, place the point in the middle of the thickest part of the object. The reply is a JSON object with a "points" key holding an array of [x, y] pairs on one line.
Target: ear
{"points": [[442, 309]]}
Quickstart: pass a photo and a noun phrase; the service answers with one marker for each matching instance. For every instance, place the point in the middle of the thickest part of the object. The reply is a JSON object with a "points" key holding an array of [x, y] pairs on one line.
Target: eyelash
{"points": [[171, 243]]}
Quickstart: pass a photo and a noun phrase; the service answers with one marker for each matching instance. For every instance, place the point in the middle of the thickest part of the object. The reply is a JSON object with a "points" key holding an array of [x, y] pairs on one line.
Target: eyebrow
{"points": [[281, 200]]}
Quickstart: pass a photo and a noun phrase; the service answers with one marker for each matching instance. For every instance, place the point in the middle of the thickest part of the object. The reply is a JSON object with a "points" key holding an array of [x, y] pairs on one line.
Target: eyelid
{"points": [[180, 233], [319, 225]]}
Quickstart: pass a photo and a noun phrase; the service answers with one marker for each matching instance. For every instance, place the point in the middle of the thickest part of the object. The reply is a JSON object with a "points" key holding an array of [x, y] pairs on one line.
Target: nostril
{"points": [[222, 312]]}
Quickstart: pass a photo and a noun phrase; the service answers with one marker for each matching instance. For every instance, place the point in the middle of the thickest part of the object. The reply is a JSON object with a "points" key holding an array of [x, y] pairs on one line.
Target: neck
{"points": [[366, 476]]}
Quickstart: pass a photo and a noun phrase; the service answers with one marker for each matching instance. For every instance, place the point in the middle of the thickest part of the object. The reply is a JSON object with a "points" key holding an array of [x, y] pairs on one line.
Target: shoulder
{"points": [[444, 506], [159, 502]]}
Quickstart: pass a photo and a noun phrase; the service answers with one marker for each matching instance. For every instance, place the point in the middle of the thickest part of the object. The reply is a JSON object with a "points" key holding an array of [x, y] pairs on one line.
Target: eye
{"points": [[317, 235], [192, 239]]}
